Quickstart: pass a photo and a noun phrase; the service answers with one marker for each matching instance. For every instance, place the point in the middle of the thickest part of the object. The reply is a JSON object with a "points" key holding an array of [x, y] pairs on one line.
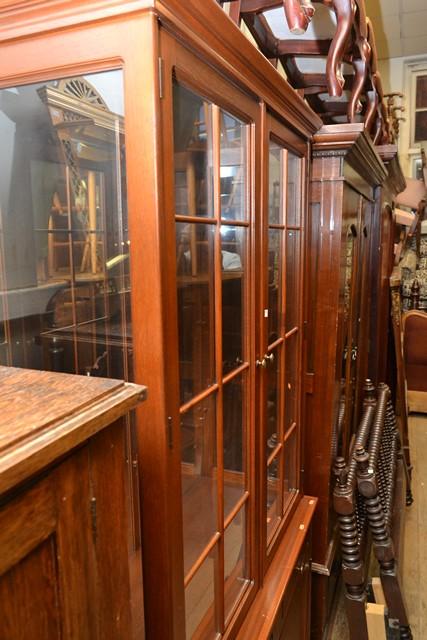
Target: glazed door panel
{"points": [[364, 305], [210, 216], [354, 324], [349, 289], [278, 364]]}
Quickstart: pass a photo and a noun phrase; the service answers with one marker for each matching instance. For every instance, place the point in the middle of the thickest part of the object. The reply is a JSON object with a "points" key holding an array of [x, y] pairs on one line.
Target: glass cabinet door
{"points": [[235, 338], [212, 212], [64, 247], [279, 362]]}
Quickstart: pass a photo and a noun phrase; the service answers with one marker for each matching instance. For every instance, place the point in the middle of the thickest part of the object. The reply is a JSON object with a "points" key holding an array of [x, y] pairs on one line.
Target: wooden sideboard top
{"points": [[43, 415]]}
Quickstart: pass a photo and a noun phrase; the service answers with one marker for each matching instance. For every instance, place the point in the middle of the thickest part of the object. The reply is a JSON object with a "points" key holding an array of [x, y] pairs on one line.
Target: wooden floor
{"points": [[415, 555]]}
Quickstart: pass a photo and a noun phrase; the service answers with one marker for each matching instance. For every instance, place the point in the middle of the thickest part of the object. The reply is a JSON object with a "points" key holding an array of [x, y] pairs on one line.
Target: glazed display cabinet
{"points": [[153, 198]]}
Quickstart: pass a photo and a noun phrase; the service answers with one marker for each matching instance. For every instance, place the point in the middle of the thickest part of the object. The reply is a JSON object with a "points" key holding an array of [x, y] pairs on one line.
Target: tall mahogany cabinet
{"points": [[349, 261], [153, 219], [345, 172]]}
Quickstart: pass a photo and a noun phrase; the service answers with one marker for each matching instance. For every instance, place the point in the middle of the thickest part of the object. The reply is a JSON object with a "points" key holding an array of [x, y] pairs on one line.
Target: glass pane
{"points": [[195, 269], [233, 244], [421, 100], [293, 200], [235, 567], [233, 167], [293, 272], [199, 487], [291, 389], [192, 153], [275, 184], [273, 375], [235, 428], [274, 496], [200, 601], [64, 244], [290, 474], [420, 126], [275, 291]]}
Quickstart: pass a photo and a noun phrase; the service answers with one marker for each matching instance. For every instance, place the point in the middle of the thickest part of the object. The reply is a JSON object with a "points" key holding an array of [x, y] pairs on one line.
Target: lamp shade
{"points": [[414, 192]]}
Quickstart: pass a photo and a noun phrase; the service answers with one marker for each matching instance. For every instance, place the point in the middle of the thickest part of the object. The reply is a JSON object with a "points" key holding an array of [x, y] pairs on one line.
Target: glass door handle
{"points": [[269, 357]]}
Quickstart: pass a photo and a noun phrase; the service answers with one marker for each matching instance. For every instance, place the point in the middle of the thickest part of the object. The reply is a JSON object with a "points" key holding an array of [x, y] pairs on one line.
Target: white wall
{"points": [[396, 76]]}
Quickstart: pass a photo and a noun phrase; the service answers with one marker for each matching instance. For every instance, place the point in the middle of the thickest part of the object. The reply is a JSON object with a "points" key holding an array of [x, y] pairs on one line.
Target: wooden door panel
{"points": [[46, 557], [29, 596], [17, 539], [66, 553]]}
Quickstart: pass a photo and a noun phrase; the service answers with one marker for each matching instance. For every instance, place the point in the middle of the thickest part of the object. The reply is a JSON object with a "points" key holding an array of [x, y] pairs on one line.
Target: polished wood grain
{"points": [[41, 422], [68, 565], [30, 402]]}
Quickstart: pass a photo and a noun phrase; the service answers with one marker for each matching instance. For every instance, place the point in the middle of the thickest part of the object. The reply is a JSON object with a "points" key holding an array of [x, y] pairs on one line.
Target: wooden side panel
{"points": [[111, 521], [324, 249]]}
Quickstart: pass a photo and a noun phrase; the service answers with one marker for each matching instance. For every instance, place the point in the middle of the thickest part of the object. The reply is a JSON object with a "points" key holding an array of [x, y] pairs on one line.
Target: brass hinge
{"points": [[161, 76]]}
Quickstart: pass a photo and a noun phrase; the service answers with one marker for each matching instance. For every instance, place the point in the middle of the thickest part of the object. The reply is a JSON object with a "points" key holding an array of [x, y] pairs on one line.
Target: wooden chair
{"points": [[414, 328], [370, 499]]}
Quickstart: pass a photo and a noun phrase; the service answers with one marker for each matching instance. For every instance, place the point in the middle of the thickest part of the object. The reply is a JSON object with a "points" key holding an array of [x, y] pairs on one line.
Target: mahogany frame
{"points": [[44, 40]]}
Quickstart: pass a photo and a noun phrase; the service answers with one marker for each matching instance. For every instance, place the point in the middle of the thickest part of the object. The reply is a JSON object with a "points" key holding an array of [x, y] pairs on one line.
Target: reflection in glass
{"points": [[233, 251], [275, 184], [233, 167], [291, 391], [274, 496], [235, 570], [290, 472], [199, 601], [64, 249], [293, 200], [273, 374], [199, 488], [192, 153], [195, 270], [293, 268], [235, 425], [275, 271]]}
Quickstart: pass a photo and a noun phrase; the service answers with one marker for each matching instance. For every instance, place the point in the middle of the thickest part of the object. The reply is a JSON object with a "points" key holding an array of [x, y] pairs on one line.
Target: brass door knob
{"points": [[267, 357]]}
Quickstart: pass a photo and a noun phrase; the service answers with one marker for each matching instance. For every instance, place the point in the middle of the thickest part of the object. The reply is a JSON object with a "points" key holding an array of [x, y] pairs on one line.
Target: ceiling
{"points": [[400, 26]]}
